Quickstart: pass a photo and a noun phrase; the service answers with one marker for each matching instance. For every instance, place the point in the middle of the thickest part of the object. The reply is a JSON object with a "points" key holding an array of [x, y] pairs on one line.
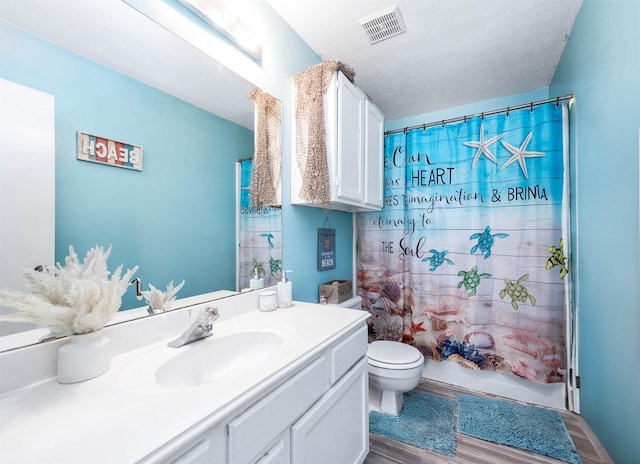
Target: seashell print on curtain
{"points": [[468, 259]]}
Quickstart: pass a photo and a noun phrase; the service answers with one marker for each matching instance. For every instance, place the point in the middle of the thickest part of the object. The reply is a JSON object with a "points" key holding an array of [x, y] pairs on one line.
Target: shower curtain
{"points": [[259, 234], [468, 259]]}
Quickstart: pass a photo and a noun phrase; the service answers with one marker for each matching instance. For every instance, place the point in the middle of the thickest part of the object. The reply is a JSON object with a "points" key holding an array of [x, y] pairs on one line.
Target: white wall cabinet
{"points": [[374, 159], [354, 128], [318, 415]]}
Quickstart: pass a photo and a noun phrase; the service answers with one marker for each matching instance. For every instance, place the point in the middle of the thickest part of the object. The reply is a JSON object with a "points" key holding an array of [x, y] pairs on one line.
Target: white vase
{"points": [[85, 356]]}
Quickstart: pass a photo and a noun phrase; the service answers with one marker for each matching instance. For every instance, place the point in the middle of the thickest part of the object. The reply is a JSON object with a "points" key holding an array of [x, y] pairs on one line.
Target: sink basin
{"points": [[229, 354], [208, 360]]}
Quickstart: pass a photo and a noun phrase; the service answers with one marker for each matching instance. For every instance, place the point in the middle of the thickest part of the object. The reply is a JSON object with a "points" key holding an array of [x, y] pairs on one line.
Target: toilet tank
{"points": [[354, 303]]}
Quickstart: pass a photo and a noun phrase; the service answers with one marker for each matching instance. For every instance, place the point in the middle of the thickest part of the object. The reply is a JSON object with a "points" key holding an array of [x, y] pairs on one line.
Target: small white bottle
{"points": [[284, 291], [256, 282]]}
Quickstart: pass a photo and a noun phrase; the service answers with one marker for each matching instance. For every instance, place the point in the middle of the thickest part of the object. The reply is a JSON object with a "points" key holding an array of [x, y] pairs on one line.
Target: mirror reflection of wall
{"points": [[259, 252], [259, 234], [27, 208], [175, 219]]}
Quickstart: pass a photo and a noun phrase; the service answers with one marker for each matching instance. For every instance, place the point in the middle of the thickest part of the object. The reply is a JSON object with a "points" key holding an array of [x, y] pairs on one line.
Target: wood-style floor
{"points": [[470, 450]]}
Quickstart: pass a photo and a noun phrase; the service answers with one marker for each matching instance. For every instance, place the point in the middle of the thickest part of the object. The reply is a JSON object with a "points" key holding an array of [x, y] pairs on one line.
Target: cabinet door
{"points": [[373, 156], [336, 428], [251, 432], [350, 142], [277, 454]]}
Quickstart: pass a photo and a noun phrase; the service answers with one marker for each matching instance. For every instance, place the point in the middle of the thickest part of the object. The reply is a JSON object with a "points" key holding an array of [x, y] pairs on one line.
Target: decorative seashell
{"points": [[444, 335], [438, 324], [388, 328], [392, 291], [445, 317], [464, 362], [492, 361], [480, 340], [523, 368], [381, 305]]}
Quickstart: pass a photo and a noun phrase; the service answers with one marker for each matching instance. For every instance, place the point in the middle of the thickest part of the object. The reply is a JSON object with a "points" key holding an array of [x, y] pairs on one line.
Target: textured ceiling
{"points": [[454, 52]]}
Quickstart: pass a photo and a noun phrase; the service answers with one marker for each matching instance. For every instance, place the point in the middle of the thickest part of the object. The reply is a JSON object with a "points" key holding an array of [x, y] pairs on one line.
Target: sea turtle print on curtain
{"points": [[466, 260]]}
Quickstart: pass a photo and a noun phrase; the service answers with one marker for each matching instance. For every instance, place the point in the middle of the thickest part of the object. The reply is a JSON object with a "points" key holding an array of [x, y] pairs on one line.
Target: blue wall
{"points": [[470, 109], [192, 227], [176, 218], [601, 66], [284, 55]]}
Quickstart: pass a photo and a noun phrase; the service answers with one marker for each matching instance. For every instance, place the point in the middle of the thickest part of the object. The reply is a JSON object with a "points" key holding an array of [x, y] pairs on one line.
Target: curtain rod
{"points": [[482, 115]]}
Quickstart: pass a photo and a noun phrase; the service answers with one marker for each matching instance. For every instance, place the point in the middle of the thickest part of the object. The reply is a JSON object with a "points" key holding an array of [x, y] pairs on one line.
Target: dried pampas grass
{"points": [[76, 298], [159, 300]]}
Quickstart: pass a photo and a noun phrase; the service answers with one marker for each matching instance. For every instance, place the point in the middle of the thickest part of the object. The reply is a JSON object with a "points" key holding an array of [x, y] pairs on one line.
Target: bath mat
{"points": [[426, 421], [539, 430]]}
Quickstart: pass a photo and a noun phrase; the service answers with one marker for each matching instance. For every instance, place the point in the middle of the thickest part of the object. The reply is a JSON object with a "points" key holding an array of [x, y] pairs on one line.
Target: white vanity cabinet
{"points": [[306, 402], [198, 454], [354, 129], [318, 415], [261, 426], [336, 428]]}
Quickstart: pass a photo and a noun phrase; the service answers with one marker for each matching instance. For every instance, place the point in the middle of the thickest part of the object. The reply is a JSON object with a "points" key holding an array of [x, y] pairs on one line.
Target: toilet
{"points": [[394, 369]]}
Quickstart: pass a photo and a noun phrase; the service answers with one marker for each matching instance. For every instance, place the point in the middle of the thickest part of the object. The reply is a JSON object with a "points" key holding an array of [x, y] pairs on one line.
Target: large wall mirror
{"points": [[127, 78]]}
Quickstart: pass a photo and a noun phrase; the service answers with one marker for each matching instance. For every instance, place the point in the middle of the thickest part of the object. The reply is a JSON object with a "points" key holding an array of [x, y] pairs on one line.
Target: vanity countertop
{"points": [[116, 419]]}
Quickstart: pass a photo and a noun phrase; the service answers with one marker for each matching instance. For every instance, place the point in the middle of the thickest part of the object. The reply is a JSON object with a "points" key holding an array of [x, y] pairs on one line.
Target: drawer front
{"points": [[253, 430], [347, 352], [196, 455]]}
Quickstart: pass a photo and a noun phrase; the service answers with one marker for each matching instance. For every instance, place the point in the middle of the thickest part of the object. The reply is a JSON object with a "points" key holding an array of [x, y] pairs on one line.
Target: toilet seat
{"points": [[394, 355]]}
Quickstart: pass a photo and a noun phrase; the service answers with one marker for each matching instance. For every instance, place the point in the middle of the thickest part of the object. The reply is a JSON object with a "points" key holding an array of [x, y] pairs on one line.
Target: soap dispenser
{"points": [[284, 291]]}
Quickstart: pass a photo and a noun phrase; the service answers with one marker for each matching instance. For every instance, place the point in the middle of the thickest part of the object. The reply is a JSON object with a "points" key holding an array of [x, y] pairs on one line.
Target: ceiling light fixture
{"points": [[224, 18]]}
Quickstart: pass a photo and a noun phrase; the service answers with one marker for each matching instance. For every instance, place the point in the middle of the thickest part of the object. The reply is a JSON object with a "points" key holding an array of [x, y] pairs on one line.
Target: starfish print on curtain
{"points": [[519, 154], [483, 147], [490, 308]]}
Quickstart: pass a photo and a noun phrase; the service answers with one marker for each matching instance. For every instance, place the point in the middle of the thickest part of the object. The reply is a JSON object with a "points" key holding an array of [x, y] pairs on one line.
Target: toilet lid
{"points": [[389, 352]]}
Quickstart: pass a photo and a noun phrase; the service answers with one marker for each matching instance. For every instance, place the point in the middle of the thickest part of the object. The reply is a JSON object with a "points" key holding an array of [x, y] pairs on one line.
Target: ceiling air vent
{"points": [[383, 24]]}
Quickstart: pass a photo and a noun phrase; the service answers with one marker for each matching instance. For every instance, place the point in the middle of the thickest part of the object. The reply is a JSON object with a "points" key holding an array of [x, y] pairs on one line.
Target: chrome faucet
{"points": [[201, 328], [138, 283]]}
